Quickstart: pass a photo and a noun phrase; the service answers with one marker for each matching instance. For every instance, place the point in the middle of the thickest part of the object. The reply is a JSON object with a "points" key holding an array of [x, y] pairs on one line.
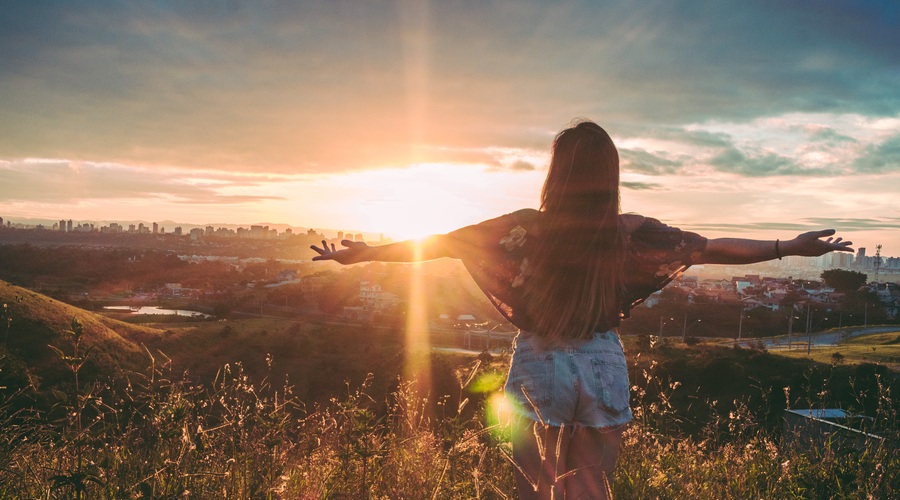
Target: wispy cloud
{"points": [[808, 224], [62, 182], [640, 186]]}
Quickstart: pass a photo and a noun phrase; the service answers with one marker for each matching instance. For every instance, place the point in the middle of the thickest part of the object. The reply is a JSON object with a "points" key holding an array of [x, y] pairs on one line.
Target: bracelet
{"points": [[777, 250]]}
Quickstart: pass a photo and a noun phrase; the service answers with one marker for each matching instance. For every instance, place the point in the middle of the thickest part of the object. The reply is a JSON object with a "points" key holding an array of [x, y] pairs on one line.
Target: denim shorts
{"points": [[572, 382]]}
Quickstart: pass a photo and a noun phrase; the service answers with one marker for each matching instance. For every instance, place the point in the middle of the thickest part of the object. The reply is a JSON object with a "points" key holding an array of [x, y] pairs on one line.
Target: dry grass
{"points": [[158, 437]]}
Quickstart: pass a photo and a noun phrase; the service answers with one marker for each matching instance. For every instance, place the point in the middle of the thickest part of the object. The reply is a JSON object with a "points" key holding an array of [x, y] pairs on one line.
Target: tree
{"points": [[844, 281]]}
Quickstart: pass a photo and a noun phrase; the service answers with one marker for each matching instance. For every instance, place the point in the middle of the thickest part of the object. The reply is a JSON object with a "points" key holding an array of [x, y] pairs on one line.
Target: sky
{"points": [[737, 118]]}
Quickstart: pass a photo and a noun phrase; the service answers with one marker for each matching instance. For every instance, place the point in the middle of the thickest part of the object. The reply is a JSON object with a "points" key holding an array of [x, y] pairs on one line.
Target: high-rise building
{"points": [[155, 228], [69, 226]]}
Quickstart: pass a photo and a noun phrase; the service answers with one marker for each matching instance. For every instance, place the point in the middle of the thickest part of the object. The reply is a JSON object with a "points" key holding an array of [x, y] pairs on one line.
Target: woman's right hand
{"points": [[353, 253]]}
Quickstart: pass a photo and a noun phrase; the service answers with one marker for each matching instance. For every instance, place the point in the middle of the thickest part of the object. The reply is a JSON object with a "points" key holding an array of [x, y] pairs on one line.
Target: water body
{"points": [[156, 310]]}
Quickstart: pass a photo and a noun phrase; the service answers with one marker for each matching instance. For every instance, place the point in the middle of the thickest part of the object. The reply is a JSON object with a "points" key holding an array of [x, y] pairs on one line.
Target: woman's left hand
{"points": [[811, 244]]}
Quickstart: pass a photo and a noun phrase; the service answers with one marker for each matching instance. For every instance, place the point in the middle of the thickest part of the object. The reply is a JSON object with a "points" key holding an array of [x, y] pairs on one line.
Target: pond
{"points": [[156, 310]]}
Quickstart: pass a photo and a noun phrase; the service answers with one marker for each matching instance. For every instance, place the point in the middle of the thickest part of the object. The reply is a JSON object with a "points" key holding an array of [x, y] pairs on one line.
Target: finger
{"points": [[317, 249], [332, 248], [821, 234]]}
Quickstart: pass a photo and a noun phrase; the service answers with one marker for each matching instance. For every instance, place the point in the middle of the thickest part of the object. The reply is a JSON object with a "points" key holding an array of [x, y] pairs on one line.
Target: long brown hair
{"points": [[575, 287]]}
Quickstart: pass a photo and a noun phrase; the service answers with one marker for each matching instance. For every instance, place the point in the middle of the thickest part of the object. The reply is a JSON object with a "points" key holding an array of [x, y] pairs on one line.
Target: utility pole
{"points": [[790, 326], [808, 329]]}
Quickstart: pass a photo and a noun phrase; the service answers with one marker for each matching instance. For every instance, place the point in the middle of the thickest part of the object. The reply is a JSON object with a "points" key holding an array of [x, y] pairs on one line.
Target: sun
{"points": [[419, 201]]}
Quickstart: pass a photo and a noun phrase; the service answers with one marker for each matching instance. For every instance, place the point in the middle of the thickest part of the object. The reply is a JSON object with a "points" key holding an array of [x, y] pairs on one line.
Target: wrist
{"points": [[786, 247]]}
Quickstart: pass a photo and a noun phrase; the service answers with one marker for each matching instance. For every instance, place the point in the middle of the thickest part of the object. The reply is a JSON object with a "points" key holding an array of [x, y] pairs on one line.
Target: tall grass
{"points": [[157, 435]]}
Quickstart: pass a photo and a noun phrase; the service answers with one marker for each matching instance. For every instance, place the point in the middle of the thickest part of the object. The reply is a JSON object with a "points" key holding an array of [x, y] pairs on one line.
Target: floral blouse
{"points": [[495, 253]]}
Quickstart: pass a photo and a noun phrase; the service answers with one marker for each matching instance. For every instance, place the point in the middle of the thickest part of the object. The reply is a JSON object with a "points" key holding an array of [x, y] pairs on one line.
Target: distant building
{"points": [[374, 299], [259, 232], [173, 289], [155, 228]]}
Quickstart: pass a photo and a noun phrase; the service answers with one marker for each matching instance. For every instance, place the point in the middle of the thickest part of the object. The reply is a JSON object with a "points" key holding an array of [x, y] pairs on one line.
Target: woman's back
{"points": [[499, 254]]}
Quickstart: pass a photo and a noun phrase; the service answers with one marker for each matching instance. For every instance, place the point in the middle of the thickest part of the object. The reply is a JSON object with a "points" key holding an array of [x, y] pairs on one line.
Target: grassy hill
{"points": [[37, 321], [879, 348], [700, 430]]}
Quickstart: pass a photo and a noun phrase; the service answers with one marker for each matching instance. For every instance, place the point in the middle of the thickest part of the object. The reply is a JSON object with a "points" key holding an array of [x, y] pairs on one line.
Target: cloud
{"points": [[325, 86], [522, 166], [880, 158], [830, 137], [640, 186], [733, 160], [63, 182], [842, 224], [644, 162], [851, 224]]}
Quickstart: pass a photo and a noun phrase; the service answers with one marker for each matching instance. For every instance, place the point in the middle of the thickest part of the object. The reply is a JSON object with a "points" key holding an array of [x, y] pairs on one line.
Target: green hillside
{"points": [[37, 321]]}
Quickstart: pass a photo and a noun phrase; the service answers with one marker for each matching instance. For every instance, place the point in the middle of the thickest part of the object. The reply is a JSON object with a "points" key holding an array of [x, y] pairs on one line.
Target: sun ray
{"points": [[417, 367]]}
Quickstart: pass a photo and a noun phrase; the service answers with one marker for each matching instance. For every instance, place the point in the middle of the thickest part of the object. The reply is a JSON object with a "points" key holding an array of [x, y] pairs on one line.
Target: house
{"points": [[375, 299], [286, 275]]}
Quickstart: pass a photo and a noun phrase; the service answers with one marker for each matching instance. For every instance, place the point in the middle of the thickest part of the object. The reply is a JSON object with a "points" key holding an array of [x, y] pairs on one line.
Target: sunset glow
{"points": [[417, 118]]}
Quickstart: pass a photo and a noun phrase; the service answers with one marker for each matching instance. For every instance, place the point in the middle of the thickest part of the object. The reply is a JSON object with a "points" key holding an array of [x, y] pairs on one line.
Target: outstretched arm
{"points": [[745, 251], [353, 252]]}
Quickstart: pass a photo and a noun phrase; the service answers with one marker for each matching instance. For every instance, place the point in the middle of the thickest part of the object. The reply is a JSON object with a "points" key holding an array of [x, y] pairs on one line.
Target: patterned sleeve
{"points": [[658, 254], [478, 241], [494, 252]]}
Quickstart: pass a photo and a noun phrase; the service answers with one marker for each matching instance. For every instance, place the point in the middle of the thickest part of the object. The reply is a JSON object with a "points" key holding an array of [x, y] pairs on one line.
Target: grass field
{"points": [[881, 348]]}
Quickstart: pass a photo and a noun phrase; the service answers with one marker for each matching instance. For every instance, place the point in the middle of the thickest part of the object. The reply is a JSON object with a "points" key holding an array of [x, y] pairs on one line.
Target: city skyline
{"points": [[415, 118], [863, 257]]}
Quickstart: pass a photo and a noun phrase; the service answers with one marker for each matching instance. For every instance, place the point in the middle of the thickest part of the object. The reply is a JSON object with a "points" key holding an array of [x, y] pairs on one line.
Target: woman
{"points": [[565, 275]]}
